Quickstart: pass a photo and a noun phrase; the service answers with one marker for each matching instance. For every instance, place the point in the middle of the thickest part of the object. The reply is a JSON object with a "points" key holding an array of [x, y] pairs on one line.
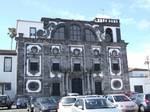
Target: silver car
{"points": [[65, 103], [122, 102], [93, 104]]}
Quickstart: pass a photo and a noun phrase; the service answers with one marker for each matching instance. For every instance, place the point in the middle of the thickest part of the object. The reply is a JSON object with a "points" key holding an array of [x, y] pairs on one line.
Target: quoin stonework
{"points": [[59, 56]]}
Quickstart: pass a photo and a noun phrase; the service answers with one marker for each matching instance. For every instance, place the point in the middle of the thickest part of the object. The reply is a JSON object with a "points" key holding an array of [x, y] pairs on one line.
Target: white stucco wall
{"points": [[24, 27], [140, 78], [9, 77]]}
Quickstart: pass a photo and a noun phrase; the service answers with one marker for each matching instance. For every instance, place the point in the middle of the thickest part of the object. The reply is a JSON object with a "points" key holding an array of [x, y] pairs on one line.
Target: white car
{"points": [[122, 102], [65, 103], [93, 104]]}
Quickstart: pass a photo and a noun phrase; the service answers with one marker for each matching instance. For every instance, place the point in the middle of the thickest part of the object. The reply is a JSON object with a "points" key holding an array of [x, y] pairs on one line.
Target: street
{"points": [[4, 109]]}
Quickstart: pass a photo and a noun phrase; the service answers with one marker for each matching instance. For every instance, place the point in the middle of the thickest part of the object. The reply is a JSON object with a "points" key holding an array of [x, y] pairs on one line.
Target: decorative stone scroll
{"points": [[47, 30]]}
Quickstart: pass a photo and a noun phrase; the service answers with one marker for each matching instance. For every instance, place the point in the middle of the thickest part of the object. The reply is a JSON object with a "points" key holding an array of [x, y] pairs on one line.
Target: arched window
{"points": [[110, 34], [89, 35], [75, 32], [59, 33]]}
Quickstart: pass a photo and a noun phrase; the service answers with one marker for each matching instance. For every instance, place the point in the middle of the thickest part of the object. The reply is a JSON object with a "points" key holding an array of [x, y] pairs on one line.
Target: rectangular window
{"points": [[138, 88], [34, 66], [8, 64], [97, 67], [7, 86], [77, 67], [115, 66], [55, 67], [32, 32]]}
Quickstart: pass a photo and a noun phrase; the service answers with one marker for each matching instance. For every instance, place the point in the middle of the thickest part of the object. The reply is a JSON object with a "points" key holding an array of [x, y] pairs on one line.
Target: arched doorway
{"points": [[77, 86]]}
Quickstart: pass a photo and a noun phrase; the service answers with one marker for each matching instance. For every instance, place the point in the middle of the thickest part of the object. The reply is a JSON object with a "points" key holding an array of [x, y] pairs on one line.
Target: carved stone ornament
{"points": [[55, 50], [34, 49], [96, 52], [114, 53], [46, 32], [76, 52]]}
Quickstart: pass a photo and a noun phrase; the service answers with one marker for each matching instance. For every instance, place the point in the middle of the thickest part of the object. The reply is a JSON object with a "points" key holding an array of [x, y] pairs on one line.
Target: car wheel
{"points": [[142, 108], [9, 107], [32, 110]]}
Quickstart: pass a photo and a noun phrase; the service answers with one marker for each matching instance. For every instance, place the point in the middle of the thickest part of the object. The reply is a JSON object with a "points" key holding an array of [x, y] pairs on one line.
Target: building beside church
{"points": [[139, 80], [8, 72], [59, 56]]}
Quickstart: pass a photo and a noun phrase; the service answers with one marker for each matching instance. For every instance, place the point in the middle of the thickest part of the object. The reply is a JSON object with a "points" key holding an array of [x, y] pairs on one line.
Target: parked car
{"points": [[130, 94], [122, 102], [93, 104], [56, 98], [134, 97], [143, 101], [45, 104], [65, 103], [72, 94], [5, 101], [22, 102]]}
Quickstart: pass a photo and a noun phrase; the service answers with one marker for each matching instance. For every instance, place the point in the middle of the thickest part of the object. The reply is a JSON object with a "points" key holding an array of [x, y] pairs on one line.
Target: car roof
{"points": [[93, 97], [116, 95], [69, 97], [72, 94]]}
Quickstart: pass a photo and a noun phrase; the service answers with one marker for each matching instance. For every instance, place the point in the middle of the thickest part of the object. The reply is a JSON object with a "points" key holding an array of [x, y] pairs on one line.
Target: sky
{"points": [[134, 18]]}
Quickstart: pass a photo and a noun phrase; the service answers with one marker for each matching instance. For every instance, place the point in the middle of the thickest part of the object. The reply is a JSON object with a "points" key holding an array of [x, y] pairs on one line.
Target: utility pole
{"points": [[147, 62]]}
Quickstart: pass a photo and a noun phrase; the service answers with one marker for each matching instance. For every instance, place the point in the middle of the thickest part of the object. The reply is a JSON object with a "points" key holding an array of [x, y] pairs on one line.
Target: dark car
{"points": [[45, 104], [143, 101], [5, 101], [56, 98], [22, 102]]}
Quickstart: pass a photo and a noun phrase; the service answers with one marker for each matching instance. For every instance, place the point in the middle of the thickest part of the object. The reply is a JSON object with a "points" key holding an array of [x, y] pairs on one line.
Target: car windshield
{"points": [[22, 100], [97, 104], [68, 100], [148, 96], [3, 98], [55, 98], [121, 98], [45, 101]]}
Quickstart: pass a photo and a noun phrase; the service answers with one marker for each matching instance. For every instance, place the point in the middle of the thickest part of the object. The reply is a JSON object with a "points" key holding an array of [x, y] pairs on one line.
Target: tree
{"points": [[12, 33]]}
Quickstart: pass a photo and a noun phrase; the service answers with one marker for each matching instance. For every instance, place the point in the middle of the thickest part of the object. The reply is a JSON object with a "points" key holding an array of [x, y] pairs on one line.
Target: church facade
{"points": [[59, 56]]}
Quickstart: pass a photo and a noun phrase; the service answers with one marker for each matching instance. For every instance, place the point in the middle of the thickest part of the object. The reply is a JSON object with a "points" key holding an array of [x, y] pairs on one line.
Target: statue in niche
{"points": [[102, 36]]}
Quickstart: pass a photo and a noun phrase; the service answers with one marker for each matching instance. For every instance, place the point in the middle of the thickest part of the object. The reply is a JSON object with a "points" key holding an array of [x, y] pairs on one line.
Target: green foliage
{"points": [[12, 32]]}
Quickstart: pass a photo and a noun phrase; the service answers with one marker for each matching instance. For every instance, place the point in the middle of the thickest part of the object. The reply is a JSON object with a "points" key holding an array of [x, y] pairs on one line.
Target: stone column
{"points": [[88, 84], [67, 75], [63, 85], [92, 84], [83, 85]]}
